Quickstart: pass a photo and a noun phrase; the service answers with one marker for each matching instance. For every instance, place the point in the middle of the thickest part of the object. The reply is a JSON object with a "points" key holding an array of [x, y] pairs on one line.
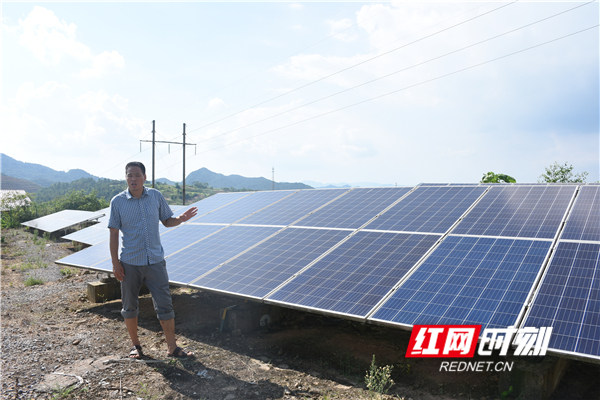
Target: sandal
{"points": [[180, 353], [136, 352]]}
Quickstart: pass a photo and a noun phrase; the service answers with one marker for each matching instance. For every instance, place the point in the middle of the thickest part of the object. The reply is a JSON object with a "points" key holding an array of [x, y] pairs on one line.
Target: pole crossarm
{"points": [[164, 141], [154, 141]]}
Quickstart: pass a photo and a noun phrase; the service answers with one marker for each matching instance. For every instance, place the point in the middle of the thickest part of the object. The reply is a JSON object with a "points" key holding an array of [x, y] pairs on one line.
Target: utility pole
{"points": [[183, 188], [154, 141], [153, 153], [273, 178]]}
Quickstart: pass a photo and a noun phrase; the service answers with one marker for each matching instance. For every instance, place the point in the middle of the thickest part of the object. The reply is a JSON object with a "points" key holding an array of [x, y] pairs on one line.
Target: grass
{"points": [[67, 272], [32, 264], [379, 379], [32, 281]]}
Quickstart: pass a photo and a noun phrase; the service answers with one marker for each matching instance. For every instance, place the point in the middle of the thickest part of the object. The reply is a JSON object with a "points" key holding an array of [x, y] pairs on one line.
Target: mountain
{"points": [[217, 180], [10, 183], [37, 173]]}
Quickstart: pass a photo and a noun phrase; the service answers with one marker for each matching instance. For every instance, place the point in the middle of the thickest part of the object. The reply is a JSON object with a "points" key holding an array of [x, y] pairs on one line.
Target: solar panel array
{"points": [[569, 295], [62, 220], [492, 255]]}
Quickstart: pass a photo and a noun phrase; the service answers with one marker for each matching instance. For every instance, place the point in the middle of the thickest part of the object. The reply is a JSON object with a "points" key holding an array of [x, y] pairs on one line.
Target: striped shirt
{"points": [[138, 220]]}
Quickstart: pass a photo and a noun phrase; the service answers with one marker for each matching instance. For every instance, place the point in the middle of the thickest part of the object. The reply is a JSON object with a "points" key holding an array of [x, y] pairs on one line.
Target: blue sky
{"points": [[381, 92]]}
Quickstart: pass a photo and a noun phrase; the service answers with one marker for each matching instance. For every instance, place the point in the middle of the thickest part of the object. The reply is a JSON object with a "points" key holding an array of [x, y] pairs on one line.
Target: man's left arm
{"points": [[174, 221]]}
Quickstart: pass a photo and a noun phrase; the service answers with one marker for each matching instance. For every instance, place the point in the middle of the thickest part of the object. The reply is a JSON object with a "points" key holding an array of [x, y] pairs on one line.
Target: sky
{"points": [[390, 93]]}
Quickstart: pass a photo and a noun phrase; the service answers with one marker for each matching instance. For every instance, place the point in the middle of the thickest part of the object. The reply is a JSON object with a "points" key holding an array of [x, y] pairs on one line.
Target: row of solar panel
{"points": [[482, 273]]}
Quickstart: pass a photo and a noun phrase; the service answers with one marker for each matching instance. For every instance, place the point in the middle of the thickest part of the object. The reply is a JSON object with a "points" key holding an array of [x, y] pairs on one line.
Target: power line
{"points": [[399, 71], [355, 65], [406, 87]]}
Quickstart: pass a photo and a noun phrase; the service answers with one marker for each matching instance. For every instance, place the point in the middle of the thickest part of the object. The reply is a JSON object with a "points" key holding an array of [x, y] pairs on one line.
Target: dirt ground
{"points": [[56, 344]]}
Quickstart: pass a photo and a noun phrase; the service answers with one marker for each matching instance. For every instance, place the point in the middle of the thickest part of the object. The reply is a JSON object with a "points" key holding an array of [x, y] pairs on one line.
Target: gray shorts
{"points": [[156, 279]]}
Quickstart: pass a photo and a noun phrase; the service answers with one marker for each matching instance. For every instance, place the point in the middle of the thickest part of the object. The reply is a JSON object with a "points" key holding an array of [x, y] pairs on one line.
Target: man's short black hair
{"points": [[136, 164]]}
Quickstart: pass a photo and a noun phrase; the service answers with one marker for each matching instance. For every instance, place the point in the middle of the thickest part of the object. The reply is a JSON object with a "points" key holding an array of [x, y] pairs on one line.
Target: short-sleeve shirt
{"points": [[138, 220]]}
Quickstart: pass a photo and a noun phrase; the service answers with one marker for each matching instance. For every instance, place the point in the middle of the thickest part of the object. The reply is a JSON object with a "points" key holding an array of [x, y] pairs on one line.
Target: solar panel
{"points": [[355, 208], [293, 207], [379, 255], [584, 220], [98, 233], [468, 280], [569, 300], [428, 209], [89, 258], [62, 220], [189, 263], [355, 276], [235, 211], [518, 211], [260, 270], [216, 201]]}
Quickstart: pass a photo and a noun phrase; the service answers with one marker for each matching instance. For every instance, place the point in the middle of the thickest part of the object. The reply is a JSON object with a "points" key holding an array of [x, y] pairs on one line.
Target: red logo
{"points": [[443, 341]]}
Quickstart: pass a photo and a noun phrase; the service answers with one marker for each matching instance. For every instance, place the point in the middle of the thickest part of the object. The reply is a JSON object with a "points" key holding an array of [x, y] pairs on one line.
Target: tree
{"points": [[557, 173], [492, 177]]}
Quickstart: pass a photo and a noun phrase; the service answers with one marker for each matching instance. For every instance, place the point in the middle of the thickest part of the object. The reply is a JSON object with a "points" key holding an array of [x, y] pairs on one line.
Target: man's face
{"points": [[135, 179]]}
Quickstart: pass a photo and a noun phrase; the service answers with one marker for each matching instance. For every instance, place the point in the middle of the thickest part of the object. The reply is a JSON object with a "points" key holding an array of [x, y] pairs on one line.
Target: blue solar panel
{"points": [[90, 257], [260, 270], [91, 235], [178, 238], [584, 221], [518, 211], [62, 220], [240, 209], [293, 207], [98, 233], [355, 208], [569, 299], [191, 262], [215, 202], [468, 280], [428, 209], [356, 275]]}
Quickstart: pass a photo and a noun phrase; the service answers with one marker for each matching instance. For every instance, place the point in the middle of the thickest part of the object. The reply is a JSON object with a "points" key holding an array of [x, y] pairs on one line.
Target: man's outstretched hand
{"points": [[189, 214]]}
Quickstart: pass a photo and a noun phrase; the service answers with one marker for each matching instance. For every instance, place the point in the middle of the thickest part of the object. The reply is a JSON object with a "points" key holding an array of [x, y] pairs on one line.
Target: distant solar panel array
{"points": [[62, 220], [492, 255]]}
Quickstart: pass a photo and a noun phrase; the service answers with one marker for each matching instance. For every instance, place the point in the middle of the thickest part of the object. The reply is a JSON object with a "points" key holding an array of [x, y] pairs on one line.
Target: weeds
{"points": [[32, 281], [32, 264], [379, 379], [67, 272]]}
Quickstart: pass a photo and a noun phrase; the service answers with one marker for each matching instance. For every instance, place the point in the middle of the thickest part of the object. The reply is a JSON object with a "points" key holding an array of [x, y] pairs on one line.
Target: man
{"points": [[136, 212]]}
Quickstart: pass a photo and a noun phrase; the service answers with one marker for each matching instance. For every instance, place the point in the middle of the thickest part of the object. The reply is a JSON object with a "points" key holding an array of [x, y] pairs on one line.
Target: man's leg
{"points": [[157, 281], [132, 329], [130, 288], [168, 327]]}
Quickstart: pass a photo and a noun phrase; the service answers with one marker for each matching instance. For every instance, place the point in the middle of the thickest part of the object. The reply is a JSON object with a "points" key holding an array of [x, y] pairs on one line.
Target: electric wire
{"points": [[404, 88], [396, 72], [355, 65]]}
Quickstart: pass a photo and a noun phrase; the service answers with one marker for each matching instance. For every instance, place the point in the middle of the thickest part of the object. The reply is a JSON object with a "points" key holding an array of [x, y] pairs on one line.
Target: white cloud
{"points": [[53, 41], [340, 29], [102, 64], [216, 104]]}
